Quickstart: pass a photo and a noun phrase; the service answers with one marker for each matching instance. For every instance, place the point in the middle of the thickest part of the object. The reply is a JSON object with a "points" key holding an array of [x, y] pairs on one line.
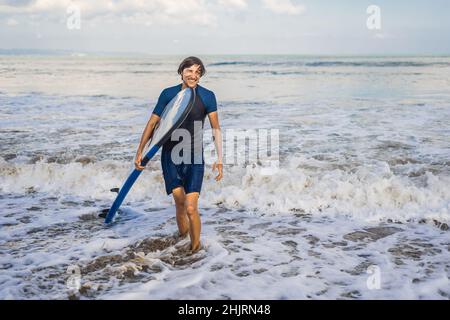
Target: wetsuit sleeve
{"points": [[211, 104], [161, 104]]}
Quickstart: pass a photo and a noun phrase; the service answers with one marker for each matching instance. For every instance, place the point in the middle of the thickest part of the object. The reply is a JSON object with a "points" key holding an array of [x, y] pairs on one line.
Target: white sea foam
{"points": [[371, 194], [362, 183]]}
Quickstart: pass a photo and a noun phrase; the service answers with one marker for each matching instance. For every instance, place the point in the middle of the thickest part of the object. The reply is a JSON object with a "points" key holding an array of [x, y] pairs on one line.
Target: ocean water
{"points": [[358, 208]]}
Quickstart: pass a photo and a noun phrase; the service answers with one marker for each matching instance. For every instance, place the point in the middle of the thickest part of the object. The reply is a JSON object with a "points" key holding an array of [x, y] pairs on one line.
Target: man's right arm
{"points": [[146, 135], [150, 128]]}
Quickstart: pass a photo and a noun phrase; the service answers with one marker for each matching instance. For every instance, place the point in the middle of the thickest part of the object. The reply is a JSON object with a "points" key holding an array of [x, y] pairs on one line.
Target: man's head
{"points": [[191, 70]]}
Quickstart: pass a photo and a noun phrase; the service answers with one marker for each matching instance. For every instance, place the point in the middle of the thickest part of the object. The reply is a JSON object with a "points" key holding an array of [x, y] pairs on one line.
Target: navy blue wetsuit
{"points": [[187, 174]]}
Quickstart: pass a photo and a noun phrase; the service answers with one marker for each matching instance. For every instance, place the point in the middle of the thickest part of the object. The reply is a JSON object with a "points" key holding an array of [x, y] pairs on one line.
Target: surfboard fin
{"points": [[103, 213]]}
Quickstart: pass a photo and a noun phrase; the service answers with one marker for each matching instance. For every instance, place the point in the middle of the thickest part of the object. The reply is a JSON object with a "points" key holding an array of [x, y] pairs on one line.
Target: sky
{"points": [[320, 27]]}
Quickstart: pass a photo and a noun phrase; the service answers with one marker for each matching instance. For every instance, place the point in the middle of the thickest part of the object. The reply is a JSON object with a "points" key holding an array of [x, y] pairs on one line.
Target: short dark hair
{"points": [[189, 62]]}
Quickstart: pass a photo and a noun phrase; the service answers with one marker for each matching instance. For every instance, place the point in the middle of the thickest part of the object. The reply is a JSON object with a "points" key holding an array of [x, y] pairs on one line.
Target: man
{"points": [[184, 179]]}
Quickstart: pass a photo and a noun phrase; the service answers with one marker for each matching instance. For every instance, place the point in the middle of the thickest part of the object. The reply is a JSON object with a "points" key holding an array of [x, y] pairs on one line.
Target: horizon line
{"points": [[81, 53]]}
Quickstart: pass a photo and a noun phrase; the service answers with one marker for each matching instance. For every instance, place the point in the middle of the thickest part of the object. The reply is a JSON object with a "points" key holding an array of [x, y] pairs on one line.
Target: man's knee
{"points": [[179, 197], [179, 203], [191, 210]]}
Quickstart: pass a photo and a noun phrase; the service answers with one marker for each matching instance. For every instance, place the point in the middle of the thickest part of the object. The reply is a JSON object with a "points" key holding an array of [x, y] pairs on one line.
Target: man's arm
{"points": [[217, 136], [146, 135]]}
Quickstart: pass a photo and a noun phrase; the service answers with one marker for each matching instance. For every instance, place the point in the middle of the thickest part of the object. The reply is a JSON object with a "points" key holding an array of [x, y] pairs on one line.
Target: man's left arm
{"points": [[217, 136]]}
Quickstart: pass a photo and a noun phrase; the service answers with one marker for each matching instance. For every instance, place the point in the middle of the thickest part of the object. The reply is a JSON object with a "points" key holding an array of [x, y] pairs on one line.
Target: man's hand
{"points": [[137, 162], [219, 167]]}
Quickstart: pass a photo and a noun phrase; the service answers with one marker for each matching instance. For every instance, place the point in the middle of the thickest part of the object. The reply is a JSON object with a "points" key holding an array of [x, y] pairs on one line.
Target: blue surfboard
{"points": [[175, 112]]}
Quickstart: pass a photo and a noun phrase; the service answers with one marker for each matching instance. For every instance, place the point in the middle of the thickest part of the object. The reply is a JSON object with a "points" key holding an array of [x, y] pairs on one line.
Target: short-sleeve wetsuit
{"points": [[187, 174]]}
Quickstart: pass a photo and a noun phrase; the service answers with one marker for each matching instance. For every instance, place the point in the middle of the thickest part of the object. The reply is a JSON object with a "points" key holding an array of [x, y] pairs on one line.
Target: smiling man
{"points": [[183, 179]]}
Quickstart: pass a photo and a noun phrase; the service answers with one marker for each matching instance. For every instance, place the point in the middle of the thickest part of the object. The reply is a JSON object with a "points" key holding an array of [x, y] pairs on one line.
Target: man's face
{"points": [[191, 75]]}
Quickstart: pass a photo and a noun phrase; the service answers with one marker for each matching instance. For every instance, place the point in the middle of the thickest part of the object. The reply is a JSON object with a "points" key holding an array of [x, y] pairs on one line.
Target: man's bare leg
{"points": [[194, 219], [182, 217]]}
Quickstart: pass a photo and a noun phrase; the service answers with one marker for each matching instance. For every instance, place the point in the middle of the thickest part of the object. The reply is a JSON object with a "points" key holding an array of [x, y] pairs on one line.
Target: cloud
{"points": [[16, 3], [12, 22], [138, 12], [283, 6], [383, 36], [234, 4], [131, 11]]}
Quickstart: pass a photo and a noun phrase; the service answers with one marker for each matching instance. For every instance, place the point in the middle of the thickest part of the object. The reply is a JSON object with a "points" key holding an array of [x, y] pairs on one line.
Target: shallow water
{"points": [[363, 144]]}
